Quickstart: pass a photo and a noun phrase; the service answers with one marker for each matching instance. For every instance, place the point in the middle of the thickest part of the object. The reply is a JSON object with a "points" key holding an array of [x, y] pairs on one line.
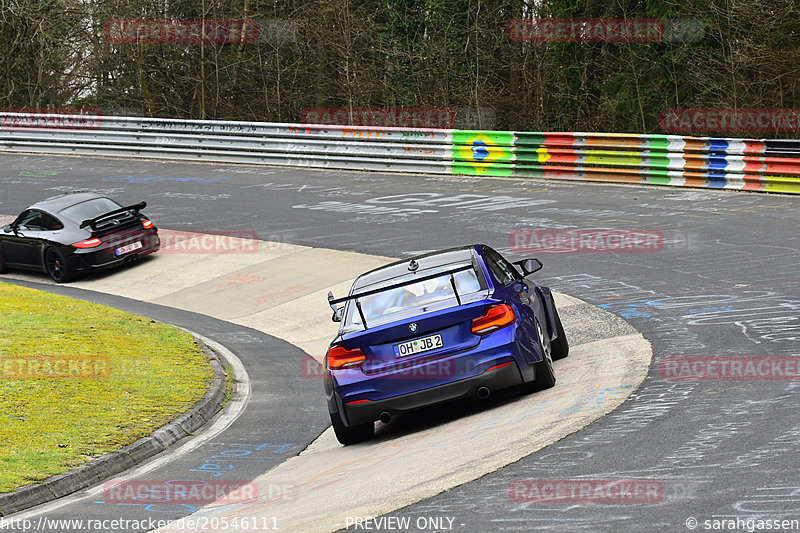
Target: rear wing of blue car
{"points": [[450, 272]]}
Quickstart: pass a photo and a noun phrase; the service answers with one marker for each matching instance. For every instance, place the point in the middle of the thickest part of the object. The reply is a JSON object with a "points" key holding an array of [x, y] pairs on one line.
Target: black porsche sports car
{"points": [[75, 233]]}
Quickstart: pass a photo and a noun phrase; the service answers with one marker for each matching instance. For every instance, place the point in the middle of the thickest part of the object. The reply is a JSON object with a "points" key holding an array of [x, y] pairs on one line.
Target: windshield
{"points": [[428, 295], [89, 209]]}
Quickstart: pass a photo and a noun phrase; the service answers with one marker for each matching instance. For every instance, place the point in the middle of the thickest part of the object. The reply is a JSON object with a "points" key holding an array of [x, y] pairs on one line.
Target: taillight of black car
{"points": [[94, 242]]}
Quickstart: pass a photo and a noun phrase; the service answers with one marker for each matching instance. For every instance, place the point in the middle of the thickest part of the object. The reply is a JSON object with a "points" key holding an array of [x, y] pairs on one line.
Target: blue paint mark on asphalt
{"points": [[151, 179], [632, 308], [598, 398], [716, 309], [213, 468]]}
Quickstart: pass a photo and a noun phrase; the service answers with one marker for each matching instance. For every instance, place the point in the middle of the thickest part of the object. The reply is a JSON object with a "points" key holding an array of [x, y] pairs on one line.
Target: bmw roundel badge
{"points": [[412, 327]]}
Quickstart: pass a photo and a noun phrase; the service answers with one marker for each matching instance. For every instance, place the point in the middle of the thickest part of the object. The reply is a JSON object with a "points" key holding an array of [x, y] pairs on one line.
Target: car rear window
{"points": [[89, 209], [413, 299]]}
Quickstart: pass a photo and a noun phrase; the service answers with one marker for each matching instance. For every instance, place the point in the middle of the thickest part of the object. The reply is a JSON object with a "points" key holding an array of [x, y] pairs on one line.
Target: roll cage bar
{"points": [[450, 272]]}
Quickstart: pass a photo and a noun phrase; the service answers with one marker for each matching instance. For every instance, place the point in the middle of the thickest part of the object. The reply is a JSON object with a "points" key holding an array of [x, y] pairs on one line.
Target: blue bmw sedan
{"points": [[445, 326]]}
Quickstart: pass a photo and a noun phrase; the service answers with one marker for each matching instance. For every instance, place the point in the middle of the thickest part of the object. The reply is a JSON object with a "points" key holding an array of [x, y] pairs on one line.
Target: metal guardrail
{"points": [[749, 164]]}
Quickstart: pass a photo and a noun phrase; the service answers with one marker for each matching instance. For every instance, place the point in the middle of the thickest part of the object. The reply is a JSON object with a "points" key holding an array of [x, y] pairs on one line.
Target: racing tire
{"points": [[353, 434], [544, 373], [559, 348], [56, 267]]}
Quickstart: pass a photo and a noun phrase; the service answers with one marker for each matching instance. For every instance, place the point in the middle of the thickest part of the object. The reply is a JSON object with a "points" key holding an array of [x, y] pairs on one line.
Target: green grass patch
{"points": [[50, 424], [228, 384]]}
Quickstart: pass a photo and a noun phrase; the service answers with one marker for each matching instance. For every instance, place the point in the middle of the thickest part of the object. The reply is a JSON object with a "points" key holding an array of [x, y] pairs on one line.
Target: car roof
{"points": [[57, 203], [461, 254]]}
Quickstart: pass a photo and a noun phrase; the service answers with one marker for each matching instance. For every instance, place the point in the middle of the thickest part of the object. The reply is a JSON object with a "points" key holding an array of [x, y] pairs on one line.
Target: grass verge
{"points": [[228, 384], [80, 380]]}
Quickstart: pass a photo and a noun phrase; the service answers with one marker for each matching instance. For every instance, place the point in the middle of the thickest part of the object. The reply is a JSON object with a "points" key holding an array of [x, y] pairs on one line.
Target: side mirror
{"points": [[338, 312], [8, 229], [529, 266]]}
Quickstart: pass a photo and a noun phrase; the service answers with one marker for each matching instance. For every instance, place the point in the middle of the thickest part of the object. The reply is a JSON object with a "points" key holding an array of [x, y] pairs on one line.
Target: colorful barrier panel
{"points": [[768, 165]]}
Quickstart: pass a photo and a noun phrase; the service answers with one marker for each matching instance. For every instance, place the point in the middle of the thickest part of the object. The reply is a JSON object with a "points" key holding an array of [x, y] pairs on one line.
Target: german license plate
{"points": [[418, 345], [128, 248]]}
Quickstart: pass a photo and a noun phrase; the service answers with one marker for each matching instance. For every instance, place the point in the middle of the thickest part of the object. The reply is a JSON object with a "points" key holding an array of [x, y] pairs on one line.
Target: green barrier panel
{"points": [[482, 169], [482, 153]]}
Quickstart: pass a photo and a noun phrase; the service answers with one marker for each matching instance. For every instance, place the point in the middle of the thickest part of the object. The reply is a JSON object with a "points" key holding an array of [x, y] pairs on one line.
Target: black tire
{"points": [[545, 374], [353, 434], [560, 346], [3, 267], [56, 266]]}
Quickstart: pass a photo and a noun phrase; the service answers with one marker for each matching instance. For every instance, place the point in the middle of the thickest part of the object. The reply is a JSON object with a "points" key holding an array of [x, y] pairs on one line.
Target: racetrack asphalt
{"points": [[724, 284], [608, 360]]}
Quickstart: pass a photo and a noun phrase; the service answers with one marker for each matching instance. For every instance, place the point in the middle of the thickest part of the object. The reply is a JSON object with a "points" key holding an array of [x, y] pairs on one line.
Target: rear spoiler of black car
{"points": [[333, 301], [92, 222]]}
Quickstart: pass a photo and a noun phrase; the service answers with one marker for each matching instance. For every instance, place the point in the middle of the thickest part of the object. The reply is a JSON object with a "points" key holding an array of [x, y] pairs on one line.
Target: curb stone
{"points": [[114, 463]]}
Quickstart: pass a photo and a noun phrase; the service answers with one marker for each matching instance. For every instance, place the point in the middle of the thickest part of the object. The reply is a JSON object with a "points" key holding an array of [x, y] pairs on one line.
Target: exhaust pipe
{"points": [[483, 392], [385, 417]]}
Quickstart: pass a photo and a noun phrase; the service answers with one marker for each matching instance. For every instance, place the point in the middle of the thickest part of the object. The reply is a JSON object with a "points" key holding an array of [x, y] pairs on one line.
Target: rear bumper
{"points": [[92, 260], [500, 378]]}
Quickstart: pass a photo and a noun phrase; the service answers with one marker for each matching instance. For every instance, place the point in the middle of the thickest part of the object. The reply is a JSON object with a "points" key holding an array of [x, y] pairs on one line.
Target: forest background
{"points": [[454, 54]]}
